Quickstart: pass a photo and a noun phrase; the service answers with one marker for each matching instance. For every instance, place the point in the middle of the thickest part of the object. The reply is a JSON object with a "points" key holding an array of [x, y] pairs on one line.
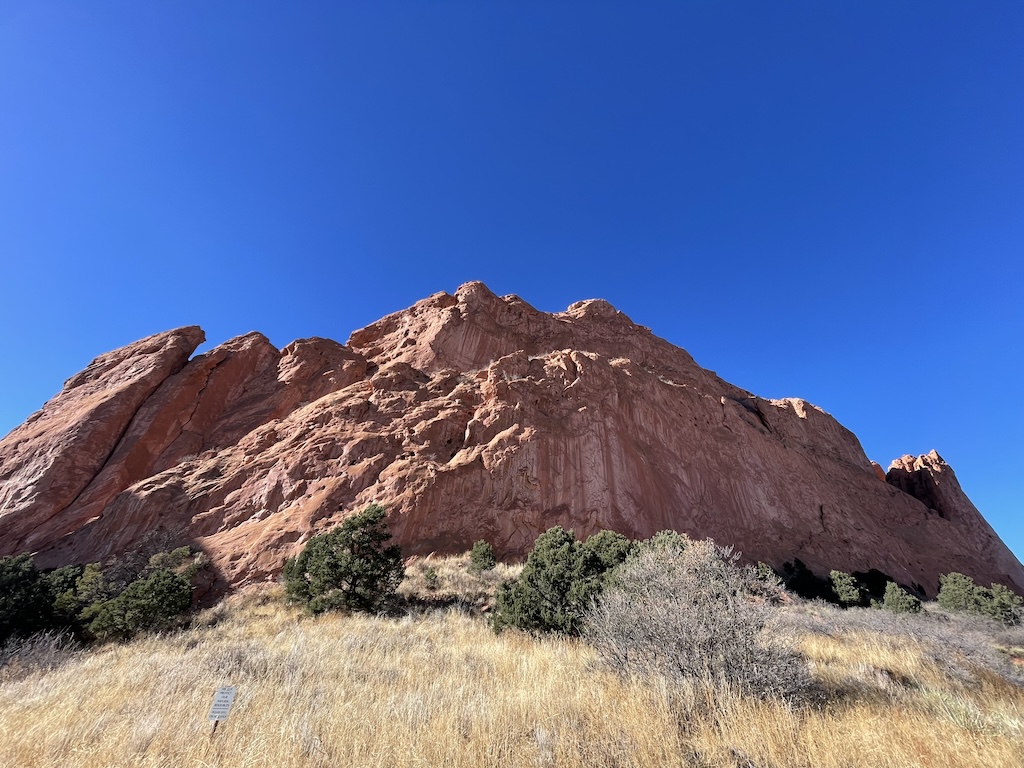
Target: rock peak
{"points": [[475, 291], [592, 308]]}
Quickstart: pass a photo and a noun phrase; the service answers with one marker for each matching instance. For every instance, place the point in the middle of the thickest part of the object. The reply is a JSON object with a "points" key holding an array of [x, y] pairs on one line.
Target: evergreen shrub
{"points": [[847, 591], [959, 593], [141, 589], [147, 603], [556, 586], [350, 568], [481, 558], [898, 600], [431, 578], [26, 603], [610, 548]]}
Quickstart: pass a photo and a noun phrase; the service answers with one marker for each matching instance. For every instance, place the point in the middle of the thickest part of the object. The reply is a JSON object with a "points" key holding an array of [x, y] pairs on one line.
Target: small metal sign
{"points": [[222, 704]]}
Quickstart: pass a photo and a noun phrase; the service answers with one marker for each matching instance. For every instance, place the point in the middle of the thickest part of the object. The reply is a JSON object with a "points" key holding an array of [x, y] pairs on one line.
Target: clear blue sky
{"points": [[819, 199]]}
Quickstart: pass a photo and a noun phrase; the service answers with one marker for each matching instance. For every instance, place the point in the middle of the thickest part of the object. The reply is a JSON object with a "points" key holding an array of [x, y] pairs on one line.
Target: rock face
{"points": [[48, 461], [469, 416]]}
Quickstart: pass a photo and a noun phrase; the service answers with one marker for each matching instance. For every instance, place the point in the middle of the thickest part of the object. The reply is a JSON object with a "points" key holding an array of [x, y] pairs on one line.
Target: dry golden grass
{"points": [[440, 689], [454, 581]]}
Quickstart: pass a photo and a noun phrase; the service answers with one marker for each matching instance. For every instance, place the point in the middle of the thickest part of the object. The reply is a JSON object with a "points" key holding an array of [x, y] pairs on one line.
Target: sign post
{"points": [[221, 706]]}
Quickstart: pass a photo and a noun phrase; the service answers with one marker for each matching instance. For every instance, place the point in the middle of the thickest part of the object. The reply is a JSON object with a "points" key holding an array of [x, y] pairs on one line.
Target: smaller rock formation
{"points": [[930, 480], [50, 459]]}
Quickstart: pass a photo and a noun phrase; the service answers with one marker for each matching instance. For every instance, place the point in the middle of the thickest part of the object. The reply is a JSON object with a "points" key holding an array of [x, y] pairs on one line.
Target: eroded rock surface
{"points": [[48, 461], [469, 416]]}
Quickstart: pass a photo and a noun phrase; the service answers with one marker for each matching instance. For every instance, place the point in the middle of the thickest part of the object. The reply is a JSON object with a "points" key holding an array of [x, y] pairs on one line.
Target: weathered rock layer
{"points": [[469, 416]]}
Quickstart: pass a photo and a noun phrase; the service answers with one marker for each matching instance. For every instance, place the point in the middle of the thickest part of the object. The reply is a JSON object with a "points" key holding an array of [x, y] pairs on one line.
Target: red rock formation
{"points": [[47, 462], [470, 416]]}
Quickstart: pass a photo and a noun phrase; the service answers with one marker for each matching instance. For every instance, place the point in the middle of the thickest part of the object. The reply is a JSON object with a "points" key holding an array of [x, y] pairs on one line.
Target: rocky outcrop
{"points": [[48, 461], [930, 480], [476, 416]]}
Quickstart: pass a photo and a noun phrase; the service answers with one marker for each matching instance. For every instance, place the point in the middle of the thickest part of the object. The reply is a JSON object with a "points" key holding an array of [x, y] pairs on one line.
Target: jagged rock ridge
{"points": [[469, 416]]}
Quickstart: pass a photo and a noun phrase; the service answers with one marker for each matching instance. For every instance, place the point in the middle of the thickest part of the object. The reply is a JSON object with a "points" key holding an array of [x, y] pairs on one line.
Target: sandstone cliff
{"points": [[469, 416]]}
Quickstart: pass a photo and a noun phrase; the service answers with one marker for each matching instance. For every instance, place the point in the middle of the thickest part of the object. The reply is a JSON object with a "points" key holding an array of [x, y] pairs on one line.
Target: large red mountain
{"points": [[468, 416]]}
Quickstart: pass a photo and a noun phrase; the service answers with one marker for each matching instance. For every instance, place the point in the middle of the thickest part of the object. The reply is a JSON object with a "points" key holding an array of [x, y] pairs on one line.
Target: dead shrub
{"points": [[689, 615]]}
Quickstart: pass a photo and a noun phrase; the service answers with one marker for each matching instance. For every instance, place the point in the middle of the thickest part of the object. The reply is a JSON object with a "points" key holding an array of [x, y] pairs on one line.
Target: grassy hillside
{"points": [[439, 688]]}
